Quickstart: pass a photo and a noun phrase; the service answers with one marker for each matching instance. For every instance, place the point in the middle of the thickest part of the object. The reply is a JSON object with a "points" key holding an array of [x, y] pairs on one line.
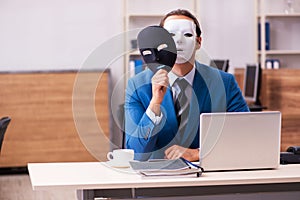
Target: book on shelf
{"points": [[164, 167], [267, 36], [136, 66]]}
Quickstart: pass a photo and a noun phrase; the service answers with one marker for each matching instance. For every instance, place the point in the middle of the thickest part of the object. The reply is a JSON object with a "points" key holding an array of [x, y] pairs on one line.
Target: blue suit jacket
{"points": [[214, 91]]}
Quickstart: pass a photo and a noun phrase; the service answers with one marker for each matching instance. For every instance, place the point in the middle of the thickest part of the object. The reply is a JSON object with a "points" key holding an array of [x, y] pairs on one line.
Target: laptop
{"points": [[240, 140]]}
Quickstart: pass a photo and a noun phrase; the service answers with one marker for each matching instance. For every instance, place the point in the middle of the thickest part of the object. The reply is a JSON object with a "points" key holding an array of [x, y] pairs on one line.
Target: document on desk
{"points": [[161, 167]]}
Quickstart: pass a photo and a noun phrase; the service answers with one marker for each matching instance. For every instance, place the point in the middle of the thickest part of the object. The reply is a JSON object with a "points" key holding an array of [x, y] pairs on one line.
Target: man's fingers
{"points": [[174, 152]]}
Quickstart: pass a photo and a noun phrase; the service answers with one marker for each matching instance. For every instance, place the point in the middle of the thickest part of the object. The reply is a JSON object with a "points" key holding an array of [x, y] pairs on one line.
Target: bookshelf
{"points": [[281, 39], [141, 13]]}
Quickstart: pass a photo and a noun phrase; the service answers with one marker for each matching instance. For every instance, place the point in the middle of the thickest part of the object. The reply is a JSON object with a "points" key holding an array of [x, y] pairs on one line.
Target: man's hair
{"points": [[184, 13]]}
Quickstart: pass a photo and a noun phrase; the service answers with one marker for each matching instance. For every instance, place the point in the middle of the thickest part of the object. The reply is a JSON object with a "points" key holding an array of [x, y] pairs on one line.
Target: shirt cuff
{"points": [[155, 119]]}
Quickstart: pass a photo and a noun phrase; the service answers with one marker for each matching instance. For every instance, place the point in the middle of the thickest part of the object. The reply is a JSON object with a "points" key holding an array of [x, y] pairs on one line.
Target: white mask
{"points": [[184, 35]]}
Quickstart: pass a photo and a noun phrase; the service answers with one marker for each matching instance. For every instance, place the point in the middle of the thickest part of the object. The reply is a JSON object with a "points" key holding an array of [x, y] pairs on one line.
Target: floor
{"points": [[18, 187]]}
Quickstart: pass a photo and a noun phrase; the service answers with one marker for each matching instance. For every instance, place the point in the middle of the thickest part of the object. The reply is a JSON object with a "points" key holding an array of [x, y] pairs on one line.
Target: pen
{"points": [[190, 163]]}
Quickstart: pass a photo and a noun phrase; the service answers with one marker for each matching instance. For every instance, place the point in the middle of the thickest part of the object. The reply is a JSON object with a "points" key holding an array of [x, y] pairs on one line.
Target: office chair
{"points": [[3, 126], [121, 123]]}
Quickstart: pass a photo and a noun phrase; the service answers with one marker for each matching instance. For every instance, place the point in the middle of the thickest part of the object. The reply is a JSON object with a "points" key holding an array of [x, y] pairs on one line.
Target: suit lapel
{"points": [[199, 91]]}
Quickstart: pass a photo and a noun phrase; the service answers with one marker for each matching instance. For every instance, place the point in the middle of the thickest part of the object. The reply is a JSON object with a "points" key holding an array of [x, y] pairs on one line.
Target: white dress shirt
{"points": [[175, 90]]}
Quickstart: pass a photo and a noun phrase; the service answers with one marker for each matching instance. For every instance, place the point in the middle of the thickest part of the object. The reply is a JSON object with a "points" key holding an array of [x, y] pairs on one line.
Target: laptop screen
{"points": [[240, 140]]}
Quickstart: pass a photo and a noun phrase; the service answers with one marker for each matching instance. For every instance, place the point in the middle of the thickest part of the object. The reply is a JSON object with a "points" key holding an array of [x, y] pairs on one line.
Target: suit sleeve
{"points": [[235, 99], [141, 132]]}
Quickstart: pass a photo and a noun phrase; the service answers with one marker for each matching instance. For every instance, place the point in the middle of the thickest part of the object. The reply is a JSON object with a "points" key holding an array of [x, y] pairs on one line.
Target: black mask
{"points": [[157, 48]]}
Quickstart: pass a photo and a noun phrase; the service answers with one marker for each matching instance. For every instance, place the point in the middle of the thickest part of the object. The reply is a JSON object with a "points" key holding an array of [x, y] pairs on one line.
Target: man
{"points": [[155, 126]]}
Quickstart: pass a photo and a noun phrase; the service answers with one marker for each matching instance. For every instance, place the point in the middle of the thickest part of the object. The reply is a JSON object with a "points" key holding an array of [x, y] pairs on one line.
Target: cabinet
{"points": [[277, 28], [138, 15], [280, 91], [42, 107]]}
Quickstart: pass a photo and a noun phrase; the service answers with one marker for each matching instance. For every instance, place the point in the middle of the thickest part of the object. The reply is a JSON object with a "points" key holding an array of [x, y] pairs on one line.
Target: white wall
{"points": [[54, 34], [228, 30], [60, 34]]}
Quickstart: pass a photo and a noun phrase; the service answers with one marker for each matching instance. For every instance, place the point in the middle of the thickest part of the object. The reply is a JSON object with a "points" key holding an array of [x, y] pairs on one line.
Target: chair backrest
{"points": [[121, 124], [3, 126]]}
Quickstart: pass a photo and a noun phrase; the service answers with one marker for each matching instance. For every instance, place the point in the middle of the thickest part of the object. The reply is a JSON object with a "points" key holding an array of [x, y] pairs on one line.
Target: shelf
{"points": [[280, 15], [145, 15], [135, 52], [280, 34], [281, 52]]}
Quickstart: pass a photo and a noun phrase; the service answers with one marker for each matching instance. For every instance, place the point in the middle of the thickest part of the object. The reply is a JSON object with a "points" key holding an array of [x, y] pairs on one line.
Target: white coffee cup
{"points": [[120, 157]]}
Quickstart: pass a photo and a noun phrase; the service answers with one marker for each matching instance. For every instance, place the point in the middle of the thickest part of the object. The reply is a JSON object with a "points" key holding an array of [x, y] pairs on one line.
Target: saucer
{"points": [[113, 163]]}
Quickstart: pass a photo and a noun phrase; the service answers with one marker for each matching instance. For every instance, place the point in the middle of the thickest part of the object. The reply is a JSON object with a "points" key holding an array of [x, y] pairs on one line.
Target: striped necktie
{"points": [[182, 105]]}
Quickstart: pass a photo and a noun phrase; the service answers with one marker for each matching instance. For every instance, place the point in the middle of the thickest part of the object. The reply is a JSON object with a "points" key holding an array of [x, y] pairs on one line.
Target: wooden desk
{"points": [[99, 179]]}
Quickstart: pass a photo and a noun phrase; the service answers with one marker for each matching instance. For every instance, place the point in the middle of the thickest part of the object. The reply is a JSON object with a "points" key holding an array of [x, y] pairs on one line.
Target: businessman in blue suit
{"points": [[151, 124]]}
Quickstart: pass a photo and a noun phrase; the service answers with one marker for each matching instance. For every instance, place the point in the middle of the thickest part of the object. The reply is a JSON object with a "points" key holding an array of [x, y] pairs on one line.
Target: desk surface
{"points": [[95, 175]]}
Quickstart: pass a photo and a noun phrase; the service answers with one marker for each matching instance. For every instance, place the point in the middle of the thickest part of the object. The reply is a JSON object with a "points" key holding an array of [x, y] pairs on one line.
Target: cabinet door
{"points": [[43, 128]]}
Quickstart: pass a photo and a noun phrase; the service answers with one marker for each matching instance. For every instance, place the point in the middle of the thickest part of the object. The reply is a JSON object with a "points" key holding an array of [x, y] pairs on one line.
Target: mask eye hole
{"points": [[162, 46], [147, 52], [188, 35]]}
